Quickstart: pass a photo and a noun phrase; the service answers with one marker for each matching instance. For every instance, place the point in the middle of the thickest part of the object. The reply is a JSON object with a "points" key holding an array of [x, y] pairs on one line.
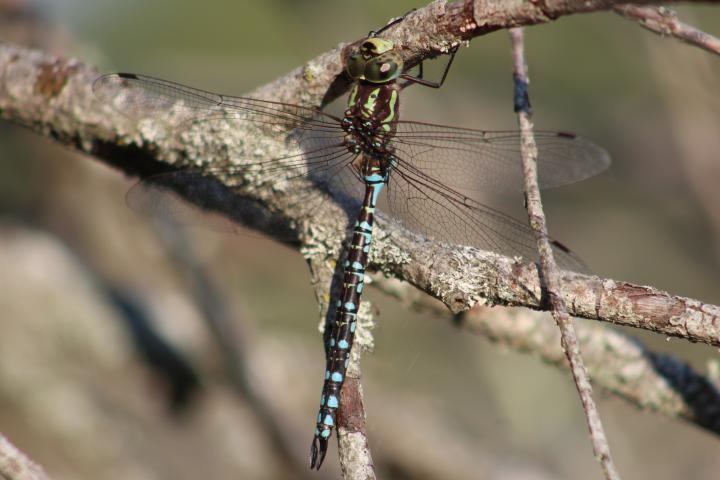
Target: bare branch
{"points": [[15, 465], [53, 97], [426, 33], [232, 342], [664, 21], [548, 268]]}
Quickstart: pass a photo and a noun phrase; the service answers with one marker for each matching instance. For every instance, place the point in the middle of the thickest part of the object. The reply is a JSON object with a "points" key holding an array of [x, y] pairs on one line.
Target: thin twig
{"points": [[15, 465], [664, 21], [548, 267]]}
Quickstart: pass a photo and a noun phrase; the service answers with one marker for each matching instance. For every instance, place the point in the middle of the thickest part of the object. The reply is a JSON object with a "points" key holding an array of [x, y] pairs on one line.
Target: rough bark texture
{"points": [[53, 96]]}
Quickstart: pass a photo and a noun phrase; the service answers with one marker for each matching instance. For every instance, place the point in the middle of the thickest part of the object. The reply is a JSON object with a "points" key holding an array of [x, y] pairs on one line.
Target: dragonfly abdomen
{"points": [[342, 334]]}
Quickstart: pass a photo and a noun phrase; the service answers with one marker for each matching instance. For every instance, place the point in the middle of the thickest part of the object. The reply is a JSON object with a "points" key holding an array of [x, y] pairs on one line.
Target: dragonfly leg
{"points": [[394, 21], [410, 79]]}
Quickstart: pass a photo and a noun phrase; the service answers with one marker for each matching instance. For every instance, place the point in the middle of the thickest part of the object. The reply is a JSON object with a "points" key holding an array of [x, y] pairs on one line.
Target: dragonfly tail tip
{"points": [[317, 452]]}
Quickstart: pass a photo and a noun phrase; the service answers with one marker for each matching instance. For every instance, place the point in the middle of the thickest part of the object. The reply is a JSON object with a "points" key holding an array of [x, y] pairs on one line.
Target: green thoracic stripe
{"points": [[372, 99], [391, 104], [353, 95]]}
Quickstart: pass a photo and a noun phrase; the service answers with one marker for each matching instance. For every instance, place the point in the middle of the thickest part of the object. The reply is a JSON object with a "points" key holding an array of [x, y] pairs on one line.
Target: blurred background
{"points": [[108, 369]]}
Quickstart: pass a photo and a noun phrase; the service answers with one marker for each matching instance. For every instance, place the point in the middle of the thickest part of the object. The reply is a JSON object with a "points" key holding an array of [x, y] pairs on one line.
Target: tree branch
{"points": [[15, 465], [548, 268], [664, 21], [53, 97], [617, 363]]}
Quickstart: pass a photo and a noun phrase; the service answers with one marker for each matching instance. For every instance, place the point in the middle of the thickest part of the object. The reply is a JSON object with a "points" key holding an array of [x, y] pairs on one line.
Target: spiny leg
{"points": [[410, 79], [392, 22]]}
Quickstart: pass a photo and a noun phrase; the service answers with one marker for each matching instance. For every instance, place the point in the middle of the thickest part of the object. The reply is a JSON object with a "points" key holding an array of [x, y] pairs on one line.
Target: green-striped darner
{"points": [[430, 176]]}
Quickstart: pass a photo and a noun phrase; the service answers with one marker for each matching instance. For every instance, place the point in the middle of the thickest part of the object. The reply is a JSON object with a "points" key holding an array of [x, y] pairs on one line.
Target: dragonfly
{"points": [[430, 178]]}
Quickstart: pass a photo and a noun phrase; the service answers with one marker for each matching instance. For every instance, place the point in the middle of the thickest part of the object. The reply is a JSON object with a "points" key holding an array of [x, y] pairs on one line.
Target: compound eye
{"points": [[355, 66], [382, 69]]}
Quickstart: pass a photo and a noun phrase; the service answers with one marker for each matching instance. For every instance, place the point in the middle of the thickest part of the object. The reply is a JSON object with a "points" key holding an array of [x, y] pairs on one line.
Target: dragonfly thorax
{"points": [[370, 143], [370, 120]]}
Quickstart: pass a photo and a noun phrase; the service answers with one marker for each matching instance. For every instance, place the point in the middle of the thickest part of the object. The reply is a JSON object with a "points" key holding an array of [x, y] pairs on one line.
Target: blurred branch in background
{"points": [[23, 22], [700, 164], [15, 465], [616, 362], [231, 334]]}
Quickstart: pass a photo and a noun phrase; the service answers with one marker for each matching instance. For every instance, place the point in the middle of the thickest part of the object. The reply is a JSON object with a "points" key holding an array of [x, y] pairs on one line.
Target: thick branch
{"points": [[53, 97]]}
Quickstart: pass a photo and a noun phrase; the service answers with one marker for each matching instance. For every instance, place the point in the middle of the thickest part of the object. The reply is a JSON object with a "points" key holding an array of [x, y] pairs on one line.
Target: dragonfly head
{"points": [[375, 61]]}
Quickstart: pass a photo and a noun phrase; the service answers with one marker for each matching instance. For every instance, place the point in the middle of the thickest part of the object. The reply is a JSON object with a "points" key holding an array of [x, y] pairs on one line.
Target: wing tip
{"points": [[564, 134], [560, 246]]}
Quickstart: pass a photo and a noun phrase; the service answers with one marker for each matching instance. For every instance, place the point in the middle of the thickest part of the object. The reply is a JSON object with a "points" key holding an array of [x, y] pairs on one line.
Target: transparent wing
{"points": [[435, 164], [141, 96], [422, 204], [490, 161], [192, 197], [315, 136], [187, 197]]}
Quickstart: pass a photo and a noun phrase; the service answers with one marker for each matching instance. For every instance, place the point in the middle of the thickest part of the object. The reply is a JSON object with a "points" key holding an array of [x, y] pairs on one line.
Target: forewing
{"points": [[141, 96], [490, 161], [315, 138]]}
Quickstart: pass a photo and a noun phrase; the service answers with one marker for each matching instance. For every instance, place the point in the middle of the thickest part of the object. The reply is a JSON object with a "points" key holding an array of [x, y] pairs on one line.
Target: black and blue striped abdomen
{"points": [[343, 329], [370, 122]]}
